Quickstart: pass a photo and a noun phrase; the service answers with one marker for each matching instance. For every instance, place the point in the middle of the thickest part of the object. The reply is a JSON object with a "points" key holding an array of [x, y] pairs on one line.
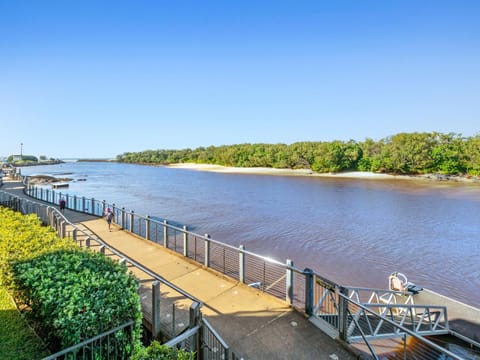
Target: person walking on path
{"points": [[109, 218], [61, 205]]}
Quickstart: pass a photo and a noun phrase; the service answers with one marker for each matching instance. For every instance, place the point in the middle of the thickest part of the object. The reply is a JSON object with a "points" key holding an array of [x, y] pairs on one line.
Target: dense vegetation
{"points": [[403, 153], [72, 294]]}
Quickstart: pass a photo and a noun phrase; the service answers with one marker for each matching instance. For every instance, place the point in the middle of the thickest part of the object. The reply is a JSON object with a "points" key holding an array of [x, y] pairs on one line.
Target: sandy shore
{"points": [[285, 172], [306, 172]]}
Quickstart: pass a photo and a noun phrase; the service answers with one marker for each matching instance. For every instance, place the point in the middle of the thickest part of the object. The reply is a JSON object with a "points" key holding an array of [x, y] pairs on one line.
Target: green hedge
{"points": [[75, 294], [22, 237]]}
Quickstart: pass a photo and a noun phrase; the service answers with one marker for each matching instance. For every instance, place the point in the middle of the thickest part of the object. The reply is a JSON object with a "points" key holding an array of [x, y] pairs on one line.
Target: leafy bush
{"points": [[74, 294], [77, 294], [22, 237], [156, 351]]}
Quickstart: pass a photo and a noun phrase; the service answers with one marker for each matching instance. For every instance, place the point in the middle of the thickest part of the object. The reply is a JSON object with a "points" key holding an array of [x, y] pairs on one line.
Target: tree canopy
{"points": [[403, 153]]}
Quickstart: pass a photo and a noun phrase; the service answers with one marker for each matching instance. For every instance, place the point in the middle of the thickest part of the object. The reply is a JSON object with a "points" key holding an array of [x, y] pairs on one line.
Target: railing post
{"points": [[93, 207], [207, 251], [123, 218], [113, 213], [241, 264], [47, 195], [185, 241], [103, 207], [41, 193], [87, 242], [155, 309], [63, 225], [165, 234], [147, 227], [342, 313], [66, 201], [132, 219], [74, 234], [194, 320], [75, 202], [289, 283], [308, 291], [102, 249]]}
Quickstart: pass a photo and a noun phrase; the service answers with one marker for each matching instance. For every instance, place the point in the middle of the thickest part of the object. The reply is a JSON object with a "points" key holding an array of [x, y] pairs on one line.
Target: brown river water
{"points": [[352, 231]]}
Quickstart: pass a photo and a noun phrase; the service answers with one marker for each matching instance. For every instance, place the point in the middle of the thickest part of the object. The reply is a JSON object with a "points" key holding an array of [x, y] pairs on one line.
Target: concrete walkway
{"points": [[253, 324]]}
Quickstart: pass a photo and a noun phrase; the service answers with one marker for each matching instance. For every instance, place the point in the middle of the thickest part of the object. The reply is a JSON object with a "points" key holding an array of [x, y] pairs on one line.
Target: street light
{"points": [[21, 149]]}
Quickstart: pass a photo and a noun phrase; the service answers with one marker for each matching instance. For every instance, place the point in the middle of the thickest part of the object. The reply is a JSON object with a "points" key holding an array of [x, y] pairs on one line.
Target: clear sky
{"points": [[99, 78]]}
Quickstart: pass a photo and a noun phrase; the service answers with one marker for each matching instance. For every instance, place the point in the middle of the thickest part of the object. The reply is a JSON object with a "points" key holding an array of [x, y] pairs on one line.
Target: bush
{"points": [[77, 294], [156, 351], [74, 294], [22, 237]]}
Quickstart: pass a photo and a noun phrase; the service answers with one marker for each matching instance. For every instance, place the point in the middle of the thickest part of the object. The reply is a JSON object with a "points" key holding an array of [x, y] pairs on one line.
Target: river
{"points": [[352, 231]]}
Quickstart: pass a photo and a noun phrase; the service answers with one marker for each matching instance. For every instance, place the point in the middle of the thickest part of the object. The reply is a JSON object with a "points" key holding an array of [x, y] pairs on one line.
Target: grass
{"points": [[17, 340]]}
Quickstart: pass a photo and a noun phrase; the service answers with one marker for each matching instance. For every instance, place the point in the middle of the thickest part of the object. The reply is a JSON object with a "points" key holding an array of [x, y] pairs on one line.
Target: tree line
{"points": [[403, 153]]}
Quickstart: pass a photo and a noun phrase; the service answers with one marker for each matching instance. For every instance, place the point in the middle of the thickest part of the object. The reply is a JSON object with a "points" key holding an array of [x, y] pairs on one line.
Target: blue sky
{"points": [[99, 78]]}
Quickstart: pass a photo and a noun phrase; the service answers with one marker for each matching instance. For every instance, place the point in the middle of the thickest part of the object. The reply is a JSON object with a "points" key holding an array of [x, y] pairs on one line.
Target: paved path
{"points": [[255, 325]]}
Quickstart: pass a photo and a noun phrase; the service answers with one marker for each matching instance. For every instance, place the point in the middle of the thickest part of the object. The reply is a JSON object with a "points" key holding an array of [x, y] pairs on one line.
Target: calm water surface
{"points": [[353, 231]]}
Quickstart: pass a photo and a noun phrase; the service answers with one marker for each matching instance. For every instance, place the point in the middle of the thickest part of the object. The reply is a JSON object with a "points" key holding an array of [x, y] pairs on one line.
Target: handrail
{"points": [[89, 341], [404, 329], [182, 337], [116, 252]]}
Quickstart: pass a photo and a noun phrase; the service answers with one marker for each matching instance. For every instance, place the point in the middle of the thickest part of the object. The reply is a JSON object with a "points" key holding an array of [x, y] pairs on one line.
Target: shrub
{"points": [[23, 237], [73, 293], [156, 351]]}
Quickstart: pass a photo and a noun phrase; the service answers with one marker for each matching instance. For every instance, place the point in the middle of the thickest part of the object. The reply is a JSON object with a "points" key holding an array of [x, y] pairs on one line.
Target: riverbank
{"points": [[307, 172]]}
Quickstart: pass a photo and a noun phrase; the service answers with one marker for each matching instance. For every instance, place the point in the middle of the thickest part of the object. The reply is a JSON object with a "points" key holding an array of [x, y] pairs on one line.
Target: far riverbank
{"points": [[307, 172]]}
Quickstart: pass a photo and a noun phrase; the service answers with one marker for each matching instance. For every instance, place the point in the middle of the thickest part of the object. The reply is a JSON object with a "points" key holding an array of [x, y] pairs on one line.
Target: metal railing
{"points": [[406, 344], [101, 346], [172, 311], [205, 342], [421, 319], [170, 317], [282, 280]]}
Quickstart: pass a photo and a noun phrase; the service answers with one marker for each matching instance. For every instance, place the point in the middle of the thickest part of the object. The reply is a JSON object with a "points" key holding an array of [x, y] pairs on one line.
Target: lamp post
{"points": [[21, 149]]}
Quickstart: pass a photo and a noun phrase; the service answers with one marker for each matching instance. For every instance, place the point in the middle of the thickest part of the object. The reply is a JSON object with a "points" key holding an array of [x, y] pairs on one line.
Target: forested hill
{"points": [[403, 153]]}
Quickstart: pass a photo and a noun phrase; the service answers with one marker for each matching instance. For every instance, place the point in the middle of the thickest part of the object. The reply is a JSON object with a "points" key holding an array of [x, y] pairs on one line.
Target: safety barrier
{"points": [[282, 280], [397, 341], [100, 346], [169, 317]]}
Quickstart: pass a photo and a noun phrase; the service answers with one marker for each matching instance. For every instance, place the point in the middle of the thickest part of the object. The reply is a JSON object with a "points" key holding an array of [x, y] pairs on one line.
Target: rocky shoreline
{"points": [[46, 179]]}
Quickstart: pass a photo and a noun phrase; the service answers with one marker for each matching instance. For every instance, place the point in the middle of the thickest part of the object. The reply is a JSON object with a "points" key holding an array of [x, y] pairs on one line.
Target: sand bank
{"points": [[285, 172], [306, 172]]}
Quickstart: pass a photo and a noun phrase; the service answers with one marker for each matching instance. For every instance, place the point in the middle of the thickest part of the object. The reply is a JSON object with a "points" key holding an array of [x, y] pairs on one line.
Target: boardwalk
{"points": [[255, 325]]}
